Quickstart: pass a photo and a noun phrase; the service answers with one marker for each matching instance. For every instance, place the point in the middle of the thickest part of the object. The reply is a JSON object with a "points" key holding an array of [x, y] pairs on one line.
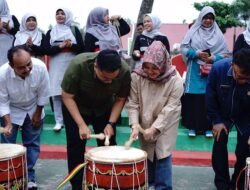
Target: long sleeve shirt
{"points": [[227, 101], [19, 97]]}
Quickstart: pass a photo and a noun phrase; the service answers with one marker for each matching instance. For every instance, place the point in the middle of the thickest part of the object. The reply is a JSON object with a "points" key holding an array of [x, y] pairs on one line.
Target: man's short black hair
{"points": [[139, 24], [108, 60], [16, 49], [242, 59]]}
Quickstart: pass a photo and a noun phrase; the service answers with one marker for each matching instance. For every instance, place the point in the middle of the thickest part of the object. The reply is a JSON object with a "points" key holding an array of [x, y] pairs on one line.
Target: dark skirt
{"points": [[194, 114]]}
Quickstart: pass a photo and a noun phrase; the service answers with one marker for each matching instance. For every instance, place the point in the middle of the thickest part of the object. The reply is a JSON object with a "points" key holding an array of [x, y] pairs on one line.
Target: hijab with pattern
{"points": [[157, 55], [5, 13], [106, 33], [246, 33], [24, 33], [201, 38], [156, 25], [61, 32]]}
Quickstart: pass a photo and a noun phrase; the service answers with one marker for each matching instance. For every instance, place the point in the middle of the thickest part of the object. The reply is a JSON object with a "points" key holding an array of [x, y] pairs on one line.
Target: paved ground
{"points": [[51, 172]]}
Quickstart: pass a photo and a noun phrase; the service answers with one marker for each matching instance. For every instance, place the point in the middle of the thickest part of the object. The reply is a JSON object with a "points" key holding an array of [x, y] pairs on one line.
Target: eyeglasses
{"points": [[210, 17]]}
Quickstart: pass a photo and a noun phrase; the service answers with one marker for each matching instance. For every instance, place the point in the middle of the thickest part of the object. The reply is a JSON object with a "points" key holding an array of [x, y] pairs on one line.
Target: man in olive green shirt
{"points": [[95, 88]]}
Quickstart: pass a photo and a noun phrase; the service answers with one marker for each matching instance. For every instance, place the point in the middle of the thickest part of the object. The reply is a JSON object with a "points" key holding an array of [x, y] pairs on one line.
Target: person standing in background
{"points": [[30, 35], [62, 43], [139, 28], [9, 26], [151, 32], [101, 34], [243, 40], [204, 43]]}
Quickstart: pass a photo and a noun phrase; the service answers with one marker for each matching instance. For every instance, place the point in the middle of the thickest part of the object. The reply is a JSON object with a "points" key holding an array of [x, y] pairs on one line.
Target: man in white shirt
{"points": [[24, 90]]}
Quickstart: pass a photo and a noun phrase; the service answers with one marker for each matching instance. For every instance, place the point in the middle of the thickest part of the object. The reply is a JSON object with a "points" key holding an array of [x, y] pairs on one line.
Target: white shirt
{"points": [[19, 97]]}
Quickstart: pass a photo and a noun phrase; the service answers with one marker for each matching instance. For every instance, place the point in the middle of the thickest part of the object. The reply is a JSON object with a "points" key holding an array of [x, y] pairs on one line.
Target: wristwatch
{"points": [[111, 123]]}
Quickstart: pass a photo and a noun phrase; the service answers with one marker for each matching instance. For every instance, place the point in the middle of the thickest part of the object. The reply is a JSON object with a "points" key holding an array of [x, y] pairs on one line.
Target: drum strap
{"points": [[71, 175]]}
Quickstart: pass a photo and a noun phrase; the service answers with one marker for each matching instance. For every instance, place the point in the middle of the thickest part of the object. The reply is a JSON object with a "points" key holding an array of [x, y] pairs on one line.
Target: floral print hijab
{"points": [[157, 55]]}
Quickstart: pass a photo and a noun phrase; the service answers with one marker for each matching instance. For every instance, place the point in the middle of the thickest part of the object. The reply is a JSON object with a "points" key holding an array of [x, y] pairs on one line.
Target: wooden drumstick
{"points": [[106, 143], [3, 130], [140, 129], [100, 136], [128, 143]]}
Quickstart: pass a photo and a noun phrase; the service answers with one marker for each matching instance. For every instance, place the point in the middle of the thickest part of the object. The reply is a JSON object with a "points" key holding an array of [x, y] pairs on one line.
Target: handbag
{"points": [[205, 69]]}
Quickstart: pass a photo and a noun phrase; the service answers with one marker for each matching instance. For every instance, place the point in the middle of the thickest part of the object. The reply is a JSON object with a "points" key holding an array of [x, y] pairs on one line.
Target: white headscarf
{"points": [[106, 33], [61, 32], [5, 13], [246, 33], [156, 25], [23, 34], [201, 38]]}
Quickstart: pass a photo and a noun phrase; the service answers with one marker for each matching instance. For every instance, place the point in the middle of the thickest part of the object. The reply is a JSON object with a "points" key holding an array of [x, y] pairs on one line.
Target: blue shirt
{"points": [[227, 101]]}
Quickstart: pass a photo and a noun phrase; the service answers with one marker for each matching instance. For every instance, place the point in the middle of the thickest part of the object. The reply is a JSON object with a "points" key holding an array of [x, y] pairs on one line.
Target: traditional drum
{"points": [[115, 167], [13, 168]]}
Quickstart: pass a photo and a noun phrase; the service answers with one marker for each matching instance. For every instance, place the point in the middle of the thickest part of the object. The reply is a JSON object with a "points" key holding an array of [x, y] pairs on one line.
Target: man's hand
{"points": [[36, 118], [7, 130], [84, 132], [217, 128], [108, 130], [29, 42], [150, 133]]}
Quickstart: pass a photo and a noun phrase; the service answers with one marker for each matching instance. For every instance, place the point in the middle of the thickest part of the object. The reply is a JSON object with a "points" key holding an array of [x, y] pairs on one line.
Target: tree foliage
{"points": [[241, 9], [225, 16]]}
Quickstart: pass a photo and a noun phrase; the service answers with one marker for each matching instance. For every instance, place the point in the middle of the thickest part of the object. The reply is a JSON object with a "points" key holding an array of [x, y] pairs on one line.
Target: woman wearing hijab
{"points": [[203, 43], [101, 34], [9, 26], [243, 40], [30, 35], [62, 43], [151, 32], [154, 105]]}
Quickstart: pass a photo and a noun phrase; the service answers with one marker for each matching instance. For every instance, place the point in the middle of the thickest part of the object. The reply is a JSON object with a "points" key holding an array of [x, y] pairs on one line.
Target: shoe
{"points": [[58, 127], [32, 185], [191, 133], [208, 134], [151, 188]]}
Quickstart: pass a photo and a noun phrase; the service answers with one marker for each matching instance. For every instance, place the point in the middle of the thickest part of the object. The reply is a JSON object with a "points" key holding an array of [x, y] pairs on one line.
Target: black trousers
{"points": [[220, 162], [76, 146]]}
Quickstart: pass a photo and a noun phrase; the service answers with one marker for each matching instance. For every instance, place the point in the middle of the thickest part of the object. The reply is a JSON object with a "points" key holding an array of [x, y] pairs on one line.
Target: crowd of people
{"points": [[89, 83]]}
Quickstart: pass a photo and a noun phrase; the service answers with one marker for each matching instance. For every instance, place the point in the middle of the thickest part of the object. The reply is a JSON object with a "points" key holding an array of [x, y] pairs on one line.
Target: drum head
{"points": [[8, 151], [115, 154]]}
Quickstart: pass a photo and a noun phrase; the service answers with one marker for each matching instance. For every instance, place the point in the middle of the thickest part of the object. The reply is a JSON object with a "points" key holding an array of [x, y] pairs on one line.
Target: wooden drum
{"points": [[115, 167], [13, 168]]}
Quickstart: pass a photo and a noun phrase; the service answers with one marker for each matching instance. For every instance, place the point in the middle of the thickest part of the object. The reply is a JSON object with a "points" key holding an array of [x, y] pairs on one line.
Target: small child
{"points": [[154, 104]]}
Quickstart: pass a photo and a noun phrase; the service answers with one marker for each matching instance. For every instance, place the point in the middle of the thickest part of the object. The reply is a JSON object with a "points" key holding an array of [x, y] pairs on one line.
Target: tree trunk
{"points": [[146, 7]]}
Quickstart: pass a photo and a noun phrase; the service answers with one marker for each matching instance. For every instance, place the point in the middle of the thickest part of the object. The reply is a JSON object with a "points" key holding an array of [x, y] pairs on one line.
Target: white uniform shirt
{"points": [[19, 97]]}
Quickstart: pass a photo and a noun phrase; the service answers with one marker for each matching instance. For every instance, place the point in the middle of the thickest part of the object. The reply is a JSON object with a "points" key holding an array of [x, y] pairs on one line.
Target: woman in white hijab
{"points": [[203, 43], [9, 26], [30, 35], [62, 43], [101, 34], [151, 32], [243, 40]]}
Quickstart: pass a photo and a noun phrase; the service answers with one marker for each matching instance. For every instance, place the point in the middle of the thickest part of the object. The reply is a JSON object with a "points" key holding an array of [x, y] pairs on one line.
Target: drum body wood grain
{"points": [[13, 167]]}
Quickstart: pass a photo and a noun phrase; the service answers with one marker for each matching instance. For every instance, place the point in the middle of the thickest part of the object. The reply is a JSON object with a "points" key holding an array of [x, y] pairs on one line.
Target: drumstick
{"points": [[128, 143], [100, 136], [106, 143], [140, 129], [3, 130]]}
